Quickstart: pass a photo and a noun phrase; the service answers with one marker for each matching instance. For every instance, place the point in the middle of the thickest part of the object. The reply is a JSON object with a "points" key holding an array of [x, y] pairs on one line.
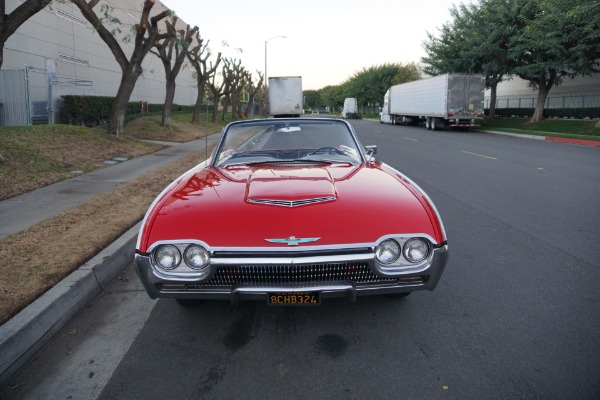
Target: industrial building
{"points": [[57, 52]]}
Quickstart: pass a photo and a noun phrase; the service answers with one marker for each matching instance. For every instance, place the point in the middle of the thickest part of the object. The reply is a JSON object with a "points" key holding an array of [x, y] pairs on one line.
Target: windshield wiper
{"points": [[299, 160], [296, 161], [322, 161]]}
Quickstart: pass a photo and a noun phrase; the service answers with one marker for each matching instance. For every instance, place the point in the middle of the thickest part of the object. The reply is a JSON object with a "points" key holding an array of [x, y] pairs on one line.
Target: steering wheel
{"points": [[327, 150]]}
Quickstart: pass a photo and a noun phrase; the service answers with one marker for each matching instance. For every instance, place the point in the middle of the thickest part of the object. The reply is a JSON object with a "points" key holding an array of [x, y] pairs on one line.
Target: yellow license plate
{"points": [[294, 299]]}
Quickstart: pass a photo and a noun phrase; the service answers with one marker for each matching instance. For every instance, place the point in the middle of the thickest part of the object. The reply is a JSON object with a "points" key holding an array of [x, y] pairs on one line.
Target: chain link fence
{"points": [[14, 98]]}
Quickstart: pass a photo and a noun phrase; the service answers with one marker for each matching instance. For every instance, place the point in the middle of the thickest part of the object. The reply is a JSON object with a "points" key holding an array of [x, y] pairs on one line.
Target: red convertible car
{"points": [[290, 211]]}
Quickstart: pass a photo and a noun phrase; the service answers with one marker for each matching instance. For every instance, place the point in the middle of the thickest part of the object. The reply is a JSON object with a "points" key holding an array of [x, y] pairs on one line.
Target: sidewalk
{"points": [[28, 331], [21, 212]]}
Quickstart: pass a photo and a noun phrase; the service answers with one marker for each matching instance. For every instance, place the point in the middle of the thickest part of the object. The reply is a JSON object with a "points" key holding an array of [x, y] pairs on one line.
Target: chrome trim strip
{"points": [[291, 290], [292, 203], [285, 248], [437, 213], [291, 260]]}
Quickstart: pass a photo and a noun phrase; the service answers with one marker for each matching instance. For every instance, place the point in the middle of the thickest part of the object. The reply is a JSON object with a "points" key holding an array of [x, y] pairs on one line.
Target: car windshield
{"points": [[287, 141]]}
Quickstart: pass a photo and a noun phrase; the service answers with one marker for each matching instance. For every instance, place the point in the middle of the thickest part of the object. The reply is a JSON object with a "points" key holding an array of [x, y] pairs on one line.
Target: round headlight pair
{"points": [[415, 250], [168, 257]]}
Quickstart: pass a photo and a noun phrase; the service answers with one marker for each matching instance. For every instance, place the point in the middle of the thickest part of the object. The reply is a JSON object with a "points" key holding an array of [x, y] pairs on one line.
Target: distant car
{"points": [[291, 212]]}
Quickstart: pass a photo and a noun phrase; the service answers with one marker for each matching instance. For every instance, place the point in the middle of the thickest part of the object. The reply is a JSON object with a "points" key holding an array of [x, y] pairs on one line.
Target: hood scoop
{"points": [[290, 187]]}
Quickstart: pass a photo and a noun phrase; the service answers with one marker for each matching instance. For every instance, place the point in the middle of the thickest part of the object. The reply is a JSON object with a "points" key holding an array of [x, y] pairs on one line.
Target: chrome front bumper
{"points": [[425, 278]]}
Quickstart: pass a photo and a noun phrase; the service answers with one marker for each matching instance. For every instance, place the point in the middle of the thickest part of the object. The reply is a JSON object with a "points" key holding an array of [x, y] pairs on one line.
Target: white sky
{"points": [[327, 41]]}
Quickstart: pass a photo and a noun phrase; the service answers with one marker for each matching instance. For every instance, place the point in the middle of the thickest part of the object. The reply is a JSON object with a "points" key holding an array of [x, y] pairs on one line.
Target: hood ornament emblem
{"points": [[292, 240]]}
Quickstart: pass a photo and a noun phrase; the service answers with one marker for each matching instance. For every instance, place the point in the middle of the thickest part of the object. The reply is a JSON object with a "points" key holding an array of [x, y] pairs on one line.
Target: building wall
{"points": [[59, 35], [580, 84]]}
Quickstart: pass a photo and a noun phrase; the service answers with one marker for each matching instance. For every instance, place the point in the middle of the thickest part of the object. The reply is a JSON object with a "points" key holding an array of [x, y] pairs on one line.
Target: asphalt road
{"points": [[515, 316]]}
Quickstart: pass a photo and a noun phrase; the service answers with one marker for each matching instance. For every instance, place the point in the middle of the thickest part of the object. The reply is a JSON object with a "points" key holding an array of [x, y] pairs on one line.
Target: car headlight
{"points": [[387, 251], [167, 257], [196, 257], [416, 250]]}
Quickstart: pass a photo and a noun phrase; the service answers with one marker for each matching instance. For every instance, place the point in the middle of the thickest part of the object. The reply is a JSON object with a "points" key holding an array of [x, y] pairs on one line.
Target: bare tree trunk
{"points": [[198, 106], [168, 107], [225, 106], [215, 110], [538, 114], [117, 118], [493, 90]]}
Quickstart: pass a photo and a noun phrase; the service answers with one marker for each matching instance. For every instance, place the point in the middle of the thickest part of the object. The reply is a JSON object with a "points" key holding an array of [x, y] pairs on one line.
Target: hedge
{"points": [[577, 113], [96, 110]]}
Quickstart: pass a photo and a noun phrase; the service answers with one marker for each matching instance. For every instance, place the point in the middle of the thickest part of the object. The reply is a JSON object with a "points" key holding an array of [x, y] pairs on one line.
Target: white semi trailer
{"points": [[454, 100], [285, 96], [350, 109]]}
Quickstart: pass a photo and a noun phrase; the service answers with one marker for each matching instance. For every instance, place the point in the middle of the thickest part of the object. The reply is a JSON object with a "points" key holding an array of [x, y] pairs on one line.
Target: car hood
{"points": [[249, 207]]}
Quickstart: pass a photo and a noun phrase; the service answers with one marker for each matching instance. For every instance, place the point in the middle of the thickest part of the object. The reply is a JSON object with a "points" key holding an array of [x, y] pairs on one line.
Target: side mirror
{"points": [[371, 149]]}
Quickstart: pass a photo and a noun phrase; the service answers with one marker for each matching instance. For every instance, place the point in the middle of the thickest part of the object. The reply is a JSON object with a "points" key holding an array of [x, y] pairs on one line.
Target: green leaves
{"points": [[368, 85], [541, 41]]}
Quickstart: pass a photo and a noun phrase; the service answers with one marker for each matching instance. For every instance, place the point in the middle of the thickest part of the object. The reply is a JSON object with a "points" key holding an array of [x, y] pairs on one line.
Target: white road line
{"points": [[408, 138], [479, 155]]}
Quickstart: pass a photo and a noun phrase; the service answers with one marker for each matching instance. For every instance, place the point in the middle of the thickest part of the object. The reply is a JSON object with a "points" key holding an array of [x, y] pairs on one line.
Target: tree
{"points": [[238, 79], [312, 98], [370, 84], [333, 96], [559, 39], [147, 35], [406, 73], [202, 72], [172, 52], [253, 91], [217, 91], [475, 41], [9, 23]]}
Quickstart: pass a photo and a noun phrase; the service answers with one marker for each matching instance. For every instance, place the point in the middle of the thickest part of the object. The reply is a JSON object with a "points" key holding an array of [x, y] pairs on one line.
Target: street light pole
{"points": [[266, 101], [267, 41]]}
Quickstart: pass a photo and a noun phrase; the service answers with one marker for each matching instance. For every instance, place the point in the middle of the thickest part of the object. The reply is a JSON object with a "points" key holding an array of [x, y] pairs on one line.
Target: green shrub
{"points": [[578, 113], [96, 110]]}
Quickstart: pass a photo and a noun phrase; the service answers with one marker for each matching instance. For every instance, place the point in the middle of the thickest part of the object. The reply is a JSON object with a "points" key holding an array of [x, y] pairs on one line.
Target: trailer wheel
{"points": [[428, 123], [434, 124]]}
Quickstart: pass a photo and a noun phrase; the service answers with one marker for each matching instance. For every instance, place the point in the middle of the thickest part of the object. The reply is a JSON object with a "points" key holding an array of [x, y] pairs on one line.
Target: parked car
{"points": [[291, 212]]}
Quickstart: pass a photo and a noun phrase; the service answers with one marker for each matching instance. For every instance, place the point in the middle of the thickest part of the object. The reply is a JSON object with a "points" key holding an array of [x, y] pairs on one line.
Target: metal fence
{"points": [[14, 98], [33, 96], [571, 100]]}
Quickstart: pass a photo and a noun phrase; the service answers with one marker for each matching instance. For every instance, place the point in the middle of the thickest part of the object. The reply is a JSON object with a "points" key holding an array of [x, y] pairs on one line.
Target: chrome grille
{"points": [[293, 203], [292, 275]]}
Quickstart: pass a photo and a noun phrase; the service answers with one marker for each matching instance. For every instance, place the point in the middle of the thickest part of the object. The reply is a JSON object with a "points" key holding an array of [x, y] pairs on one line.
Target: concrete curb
{"points": [[516, 135], [24, 334], [581, 142]]}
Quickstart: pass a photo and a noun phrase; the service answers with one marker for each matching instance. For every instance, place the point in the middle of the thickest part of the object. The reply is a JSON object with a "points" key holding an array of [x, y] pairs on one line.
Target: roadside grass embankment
{"points": [[559, 128], [37, 258]]}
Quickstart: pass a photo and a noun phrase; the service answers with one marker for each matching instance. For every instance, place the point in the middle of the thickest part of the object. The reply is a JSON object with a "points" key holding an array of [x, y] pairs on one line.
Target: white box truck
{"points": [[454, 100], [285, 96], [350, 109]]}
